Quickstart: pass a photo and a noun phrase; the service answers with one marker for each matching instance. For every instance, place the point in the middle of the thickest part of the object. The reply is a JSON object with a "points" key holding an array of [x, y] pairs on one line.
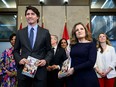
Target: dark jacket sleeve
{"points": [[64, 57], [49, 50], [17, 47]]}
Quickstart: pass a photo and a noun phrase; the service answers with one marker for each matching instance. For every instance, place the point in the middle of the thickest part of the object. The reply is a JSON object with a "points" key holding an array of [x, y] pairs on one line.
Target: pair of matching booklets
{"points": [[31, 68]]}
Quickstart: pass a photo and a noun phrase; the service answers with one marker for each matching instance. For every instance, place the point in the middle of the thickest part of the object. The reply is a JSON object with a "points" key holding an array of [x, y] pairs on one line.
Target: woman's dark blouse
{"points": [[83, 59]]}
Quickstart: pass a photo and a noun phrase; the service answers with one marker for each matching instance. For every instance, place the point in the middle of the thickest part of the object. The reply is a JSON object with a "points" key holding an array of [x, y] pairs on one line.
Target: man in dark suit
{"points": [[55, 64], [36, 42]]}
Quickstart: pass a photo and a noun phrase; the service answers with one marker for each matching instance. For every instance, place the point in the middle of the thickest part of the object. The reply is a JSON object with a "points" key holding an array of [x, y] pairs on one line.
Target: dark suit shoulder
{"points": [[23, 29], [43, 29], [61, 49]]}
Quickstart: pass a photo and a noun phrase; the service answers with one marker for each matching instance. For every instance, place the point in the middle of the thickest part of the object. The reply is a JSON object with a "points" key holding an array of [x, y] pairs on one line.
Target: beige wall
{"points": [[54, 17]]}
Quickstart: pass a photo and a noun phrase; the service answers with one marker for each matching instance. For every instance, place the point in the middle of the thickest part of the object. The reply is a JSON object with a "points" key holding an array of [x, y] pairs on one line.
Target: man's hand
{"points": [[41, 63], [49, 68], [55, 67], [23, 61]]}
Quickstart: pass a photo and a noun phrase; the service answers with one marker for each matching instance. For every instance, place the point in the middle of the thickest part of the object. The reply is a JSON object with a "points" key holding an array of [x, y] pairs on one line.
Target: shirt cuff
{"points": [[58, 67]]}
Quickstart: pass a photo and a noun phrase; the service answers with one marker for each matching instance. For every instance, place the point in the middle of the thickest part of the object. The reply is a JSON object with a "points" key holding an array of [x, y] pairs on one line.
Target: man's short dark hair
{"points": [[34, 9]]}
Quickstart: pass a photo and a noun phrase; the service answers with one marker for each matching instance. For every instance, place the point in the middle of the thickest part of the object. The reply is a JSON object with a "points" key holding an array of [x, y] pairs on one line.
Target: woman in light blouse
{"points": [[106, 62]]}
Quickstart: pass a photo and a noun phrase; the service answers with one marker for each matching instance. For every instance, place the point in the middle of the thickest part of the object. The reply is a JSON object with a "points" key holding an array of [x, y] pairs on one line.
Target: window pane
{"points": [[103, 4], [7, 4], [7, 26], [104, 24], [113, 44]]}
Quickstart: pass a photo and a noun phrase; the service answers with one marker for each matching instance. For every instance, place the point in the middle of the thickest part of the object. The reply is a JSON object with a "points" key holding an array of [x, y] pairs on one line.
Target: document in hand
{"points": [[65, 67], [30, 68]]}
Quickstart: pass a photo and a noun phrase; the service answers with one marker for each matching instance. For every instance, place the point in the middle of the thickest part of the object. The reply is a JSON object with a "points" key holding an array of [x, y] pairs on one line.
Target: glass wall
{"points": [[104, 24], [103, 19], [103, 4], [7, 25], [8, 22], [7, 3]]}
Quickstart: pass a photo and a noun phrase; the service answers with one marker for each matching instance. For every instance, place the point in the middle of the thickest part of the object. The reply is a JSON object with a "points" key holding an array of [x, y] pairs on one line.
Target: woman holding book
{"points": [[83, 55], [8, 66], [66, 64]]}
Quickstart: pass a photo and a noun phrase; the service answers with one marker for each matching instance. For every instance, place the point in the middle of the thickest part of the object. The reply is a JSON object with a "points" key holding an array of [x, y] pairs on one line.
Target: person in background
{"points": [[83, 56], [64, 44], [8, 67], [33, 41], [55, 64], [106, 62]]}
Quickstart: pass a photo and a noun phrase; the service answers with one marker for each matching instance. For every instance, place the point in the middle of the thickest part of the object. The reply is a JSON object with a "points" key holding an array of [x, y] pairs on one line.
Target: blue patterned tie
{"points": [[31, 37]]}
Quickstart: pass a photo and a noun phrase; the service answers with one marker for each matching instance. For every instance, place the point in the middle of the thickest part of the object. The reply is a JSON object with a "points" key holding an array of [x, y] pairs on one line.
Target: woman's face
{"points": [[63, 44], [102, 38], [80, 31], [13, 40]]}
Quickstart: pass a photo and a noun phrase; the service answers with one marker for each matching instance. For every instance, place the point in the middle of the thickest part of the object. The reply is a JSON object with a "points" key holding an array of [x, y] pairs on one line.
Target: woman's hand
{"points": [[70, 71], [102, 74], [9, 73]]}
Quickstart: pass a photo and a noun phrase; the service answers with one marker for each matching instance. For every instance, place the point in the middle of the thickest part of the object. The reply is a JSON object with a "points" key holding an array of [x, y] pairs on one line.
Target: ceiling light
{"points": [[65, 1], [41, 1]]}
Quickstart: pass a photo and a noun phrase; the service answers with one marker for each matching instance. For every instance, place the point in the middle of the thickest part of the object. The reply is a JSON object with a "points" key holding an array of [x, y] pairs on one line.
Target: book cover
{"points": [[30, 68], [65, 67]]}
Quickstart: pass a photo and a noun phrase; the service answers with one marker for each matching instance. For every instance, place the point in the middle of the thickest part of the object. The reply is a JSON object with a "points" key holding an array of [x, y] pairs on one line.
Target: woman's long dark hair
{"points": [[59, 44]]}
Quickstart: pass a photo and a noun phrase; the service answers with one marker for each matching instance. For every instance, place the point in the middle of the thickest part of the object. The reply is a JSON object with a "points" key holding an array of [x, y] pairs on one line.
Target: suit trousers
{"points": [[31, 82]]}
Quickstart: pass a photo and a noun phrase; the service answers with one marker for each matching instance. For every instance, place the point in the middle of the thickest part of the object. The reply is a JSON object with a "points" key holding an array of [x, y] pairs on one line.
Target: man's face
{"points": [[31, 17], [53, 40]]}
